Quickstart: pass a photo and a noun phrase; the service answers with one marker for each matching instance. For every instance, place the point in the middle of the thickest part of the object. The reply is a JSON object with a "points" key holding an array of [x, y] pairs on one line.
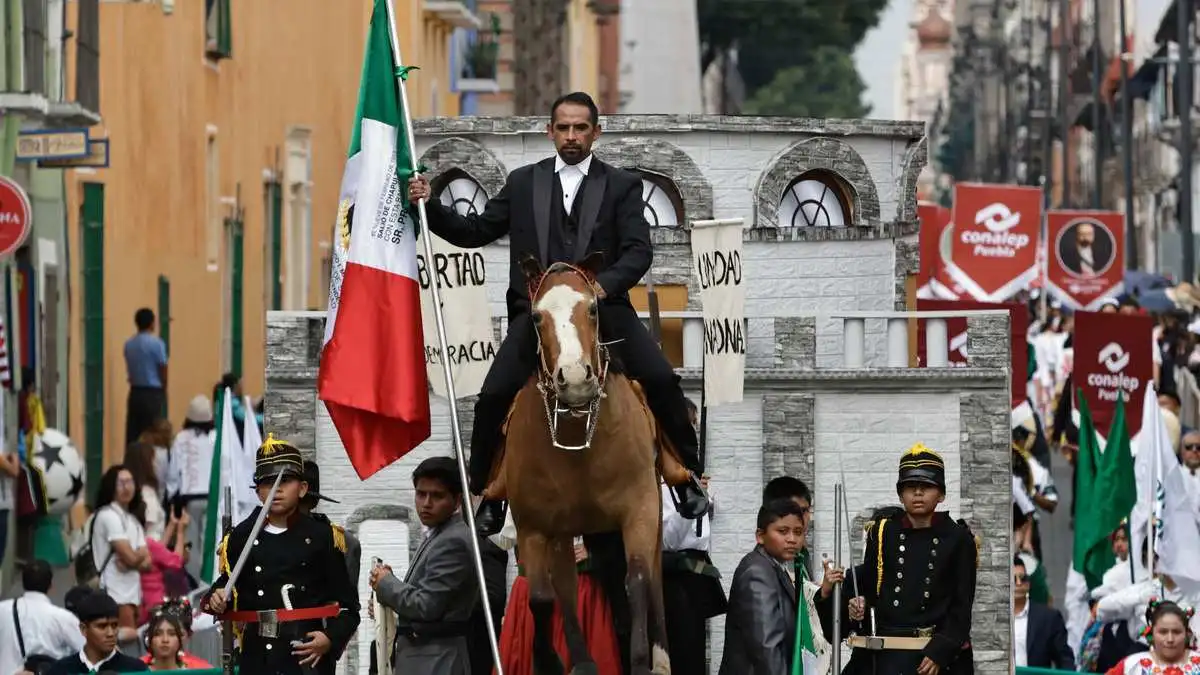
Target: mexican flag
{"points": [[228, 470], [372, 374], [804, 655], [1105, 492]]}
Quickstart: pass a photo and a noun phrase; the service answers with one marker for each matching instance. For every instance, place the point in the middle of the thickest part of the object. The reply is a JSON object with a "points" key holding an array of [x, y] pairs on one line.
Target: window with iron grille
{"points": [[87, 56], [35, 46]]}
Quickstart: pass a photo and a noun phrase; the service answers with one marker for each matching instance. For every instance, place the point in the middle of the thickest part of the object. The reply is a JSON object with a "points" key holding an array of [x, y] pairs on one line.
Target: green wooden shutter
{"points": [[164, 326], [236, 299], [275, 200], [92, 242]]}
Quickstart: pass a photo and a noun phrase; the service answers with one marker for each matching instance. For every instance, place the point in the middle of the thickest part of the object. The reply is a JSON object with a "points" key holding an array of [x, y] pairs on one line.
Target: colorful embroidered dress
{"points": [[1145, 663]]}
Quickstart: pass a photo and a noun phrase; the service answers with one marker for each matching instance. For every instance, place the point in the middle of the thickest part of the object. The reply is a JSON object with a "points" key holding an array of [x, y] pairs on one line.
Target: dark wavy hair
{"points": [[156, 620], [107, 494]]}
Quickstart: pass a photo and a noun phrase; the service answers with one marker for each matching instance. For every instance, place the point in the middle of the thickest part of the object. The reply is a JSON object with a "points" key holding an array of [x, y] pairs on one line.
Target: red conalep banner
{"points": [[1086, 256], [993, 254], [956, 331], [1114, 356], [933, 281]]}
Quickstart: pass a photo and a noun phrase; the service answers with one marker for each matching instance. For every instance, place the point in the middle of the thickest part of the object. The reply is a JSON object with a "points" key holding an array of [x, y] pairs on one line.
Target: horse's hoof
{"points": [[585, 669]]}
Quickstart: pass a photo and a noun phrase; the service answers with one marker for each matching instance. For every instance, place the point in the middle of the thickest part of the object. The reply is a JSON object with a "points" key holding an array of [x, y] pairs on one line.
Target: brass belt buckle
{"points": [[268, 623], [875, 643]]}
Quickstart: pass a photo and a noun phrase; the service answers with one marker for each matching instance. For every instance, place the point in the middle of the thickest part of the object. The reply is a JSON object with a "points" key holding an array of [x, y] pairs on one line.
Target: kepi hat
{"points": [[312, 476], [275, 457], [920, 464]]}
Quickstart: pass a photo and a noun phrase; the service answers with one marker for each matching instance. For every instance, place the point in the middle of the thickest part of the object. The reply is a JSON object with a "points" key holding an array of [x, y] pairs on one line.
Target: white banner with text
{"points": [[461, 276], [717, 260]]}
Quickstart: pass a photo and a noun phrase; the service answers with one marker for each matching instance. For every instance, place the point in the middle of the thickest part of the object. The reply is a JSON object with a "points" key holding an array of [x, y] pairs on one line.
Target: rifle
{"points": [[227, 666], [655, 318]]}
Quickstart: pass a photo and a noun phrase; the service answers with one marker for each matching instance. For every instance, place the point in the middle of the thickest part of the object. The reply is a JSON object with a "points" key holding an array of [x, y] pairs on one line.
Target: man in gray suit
{"points": [[437, 597]]}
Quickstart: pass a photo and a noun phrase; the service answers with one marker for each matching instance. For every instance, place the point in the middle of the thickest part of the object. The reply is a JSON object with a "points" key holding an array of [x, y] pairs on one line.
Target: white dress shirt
{"points": [[47, 630], [679, 533], [191, 463], [570, 177], [1020, 635]]}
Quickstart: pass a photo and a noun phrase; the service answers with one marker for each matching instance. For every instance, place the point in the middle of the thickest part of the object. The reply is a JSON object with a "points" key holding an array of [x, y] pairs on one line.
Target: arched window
{"points": [[460, 192], [815, 199], [664, 207]]}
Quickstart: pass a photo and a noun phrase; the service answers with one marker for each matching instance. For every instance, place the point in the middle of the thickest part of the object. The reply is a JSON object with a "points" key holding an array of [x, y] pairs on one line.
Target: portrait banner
{"points": [[461, 276], [717, 261], [993, 252], [956, 332], [933, 281], [1114, 356], [1086, 256]]}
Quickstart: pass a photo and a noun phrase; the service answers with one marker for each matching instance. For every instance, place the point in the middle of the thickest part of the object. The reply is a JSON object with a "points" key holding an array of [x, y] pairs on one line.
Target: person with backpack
{"points": [[40, 631]]}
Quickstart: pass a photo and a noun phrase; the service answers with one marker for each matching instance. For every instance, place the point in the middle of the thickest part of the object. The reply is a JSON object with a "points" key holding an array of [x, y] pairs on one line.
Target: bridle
{"points": [[555, 408]]}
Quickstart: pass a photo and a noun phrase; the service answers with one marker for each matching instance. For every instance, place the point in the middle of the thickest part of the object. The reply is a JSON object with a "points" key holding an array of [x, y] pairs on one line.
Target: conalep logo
{"points": [[1114, 358], [995, 239]]}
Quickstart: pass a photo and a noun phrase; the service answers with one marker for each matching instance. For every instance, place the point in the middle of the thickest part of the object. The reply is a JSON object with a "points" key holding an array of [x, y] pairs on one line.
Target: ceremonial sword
{"points": [[227, 656]]}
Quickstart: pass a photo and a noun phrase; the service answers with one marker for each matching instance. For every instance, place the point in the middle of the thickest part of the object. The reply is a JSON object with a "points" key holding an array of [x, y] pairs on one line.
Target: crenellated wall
{"points": [[804, 412]]}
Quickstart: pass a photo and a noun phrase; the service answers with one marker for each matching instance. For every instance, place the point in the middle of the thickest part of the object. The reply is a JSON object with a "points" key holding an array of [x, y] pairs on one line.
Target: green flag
{"points": [[804, 655], [1106, 491], [212, 516]]}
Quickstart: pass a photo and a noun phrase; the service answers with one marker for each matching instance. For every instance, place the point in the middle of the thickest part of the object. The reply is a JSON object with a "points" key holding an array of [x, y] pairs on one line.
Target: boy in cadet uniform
{"points": [[294, 596], [920, 566]]}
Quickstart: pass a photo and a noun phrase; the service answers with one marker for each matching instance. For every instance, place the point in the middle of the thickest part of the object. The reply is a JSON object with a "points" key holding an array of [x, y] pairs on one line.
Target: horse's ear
{"points": [[593, 263], [532, 267]]}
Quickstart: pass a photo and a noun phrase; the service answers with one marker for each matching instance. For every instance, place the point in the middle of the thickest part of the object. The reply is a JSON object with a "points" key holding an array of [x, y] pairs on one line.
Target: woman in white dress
{"points": [[1172, 644]]}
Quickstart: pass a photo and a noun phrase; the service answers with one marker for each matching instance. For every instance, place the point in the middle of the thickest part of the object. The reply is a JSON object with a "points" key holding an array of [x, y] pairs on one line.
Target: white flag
{"points": [[1164, 498], [717, 261], [251, 440]]}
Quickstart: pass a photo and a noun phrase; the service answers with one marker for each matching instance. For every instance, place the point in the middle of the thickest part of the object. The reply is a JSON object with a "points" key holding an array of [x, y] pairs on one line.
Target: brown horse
{"points": [[580, 458]]}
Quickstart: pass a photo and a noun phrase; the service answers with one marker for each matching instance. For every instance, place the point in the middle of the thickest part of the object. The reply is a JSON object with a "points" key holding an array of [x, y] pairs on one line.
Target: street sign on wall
{"points": [[16, 216]]}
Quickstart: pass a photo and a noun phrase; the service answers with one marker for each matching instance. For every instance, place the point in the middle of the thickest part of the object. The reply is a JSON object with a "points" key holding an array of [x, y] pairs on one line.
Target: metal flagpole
{"points": [[1097, 135], [837, 588], [1131, 240], [455, 429]]}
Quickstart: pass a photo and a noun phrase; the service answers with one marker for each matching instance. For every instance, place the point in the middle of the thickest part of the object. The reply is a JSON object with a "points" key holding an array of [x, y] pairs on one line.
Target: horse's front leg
{"points": [[563, 574], [536, 556], [643, 583]]}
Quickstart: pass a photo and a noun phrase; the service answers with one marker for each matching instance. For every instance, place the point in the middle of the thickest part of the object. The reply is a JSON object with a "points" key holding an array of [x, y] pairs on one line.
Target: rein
{"points": [[555, 409]]}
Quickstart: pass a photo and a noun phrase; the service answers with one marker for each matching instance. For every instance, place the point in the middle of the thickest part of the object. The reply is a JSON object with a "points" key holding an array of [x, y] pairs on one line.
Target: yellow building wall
{"points": [[295, 64], [584, 55]]}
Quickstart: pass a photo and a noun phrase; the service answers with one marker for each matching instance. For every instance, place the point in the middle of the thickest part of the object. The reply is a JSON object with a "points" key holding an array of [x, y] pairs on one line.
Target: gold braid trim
{"points": [[978, 543], [223, 568], [339, 537], [879, 562]]}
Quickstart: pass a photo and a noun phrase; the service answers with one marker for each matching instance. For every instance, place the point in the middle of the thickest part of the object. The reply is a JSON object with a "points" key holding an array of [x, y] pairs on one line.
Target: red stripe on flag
{"points": [[372, 374]]}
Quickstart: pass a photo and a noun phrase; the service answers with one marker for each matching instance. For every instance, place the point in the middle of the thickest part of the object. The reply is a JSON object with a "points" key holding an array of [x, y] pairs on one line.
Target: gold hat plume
{"points": [[921, 449], [271, 445]]}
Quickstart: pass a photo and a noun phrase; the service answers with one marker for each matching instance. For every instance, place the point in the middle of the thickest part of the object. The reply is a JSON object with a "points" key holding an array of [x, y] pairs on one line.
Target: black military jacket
{"points": [[922, 581], [309, 555]]}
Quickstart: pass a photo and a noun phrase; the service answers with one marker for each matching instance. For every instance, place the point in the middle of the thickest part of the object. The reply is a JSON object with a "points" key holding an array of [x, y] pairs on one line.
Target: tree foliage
{"points": [[773, 36], [826, 86]]}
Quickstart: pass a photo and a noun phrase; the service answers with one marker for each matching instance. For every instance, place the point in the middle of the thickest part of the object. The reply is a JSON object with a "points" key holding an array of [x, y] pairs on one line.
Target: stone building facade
{"points": [[831, 232]]}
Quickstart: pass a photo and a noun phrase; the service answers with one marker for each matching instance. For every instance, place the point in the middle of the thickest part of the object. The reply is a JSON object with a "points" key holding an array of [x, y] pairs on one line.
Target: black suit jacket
{"points": [[760, 624], [611, 220], [1102, 253], [1046, 639]]}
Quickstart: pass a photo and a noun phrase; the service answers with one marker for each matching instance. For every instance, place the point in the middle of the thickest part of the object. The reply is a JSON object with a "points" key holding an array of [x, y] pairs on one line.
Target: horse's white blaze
{"points": [[559, 305]]}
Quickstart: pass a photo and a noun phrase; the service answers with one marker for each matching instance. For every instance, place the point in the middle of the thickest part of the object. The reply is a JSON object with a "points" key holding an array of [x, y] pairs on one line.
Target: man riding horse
{"points": [[560, 210]]}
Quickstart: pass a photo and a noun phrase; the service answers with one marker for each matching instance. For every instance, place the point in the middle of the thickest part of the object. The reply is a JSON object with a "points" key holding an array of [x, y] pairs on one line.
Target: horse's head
{"points": [[566, 316]]}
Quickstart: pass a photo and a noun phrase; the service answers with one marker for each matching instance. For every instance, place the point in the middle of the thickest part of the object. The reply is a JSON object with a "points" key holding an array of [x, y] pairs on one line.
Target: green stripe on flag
{"points": [[804, 655], [379, 94], [212, 518]]}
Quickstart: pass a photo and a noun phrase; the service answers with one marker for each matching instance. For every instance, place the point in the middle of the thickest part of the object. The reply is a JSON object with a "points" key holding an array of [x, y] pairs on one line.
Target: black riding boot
{"points": [[670, 409], [490, 412]]}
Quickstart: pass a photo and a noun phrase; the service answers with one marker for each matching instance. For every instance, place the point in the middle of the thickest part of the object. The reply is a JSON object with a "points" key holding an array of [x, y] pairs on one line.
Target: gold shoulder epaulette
{"points": [[978, 544], [339, 537], [223, 555]]}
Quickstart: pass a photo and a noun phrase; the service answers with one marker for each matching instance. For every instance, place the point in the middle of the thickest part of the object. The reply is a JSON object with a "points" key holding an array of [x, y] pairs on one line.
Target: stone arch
{"points": [[916, 156], [467, 156], [664, 159], [820, 153]]}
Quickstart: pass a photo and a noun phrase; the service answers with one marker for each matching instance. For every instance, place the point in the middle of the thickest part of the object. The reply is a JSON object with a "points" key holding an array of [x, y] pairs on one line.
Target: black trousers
{"points": [[516, 362], [144, 406]]}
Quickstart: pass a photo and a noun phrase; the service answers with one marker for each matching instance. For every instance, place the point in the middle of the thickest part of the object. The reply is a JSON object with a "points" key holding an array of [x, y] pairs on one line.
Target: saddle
{"points": [[667, 461]]}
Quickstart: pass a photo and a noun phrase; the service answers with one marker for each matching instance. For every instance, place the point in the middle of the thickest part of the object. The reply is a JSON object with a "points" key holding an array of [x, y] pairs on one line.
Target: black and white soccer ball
{"points": [[62, 467]]}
